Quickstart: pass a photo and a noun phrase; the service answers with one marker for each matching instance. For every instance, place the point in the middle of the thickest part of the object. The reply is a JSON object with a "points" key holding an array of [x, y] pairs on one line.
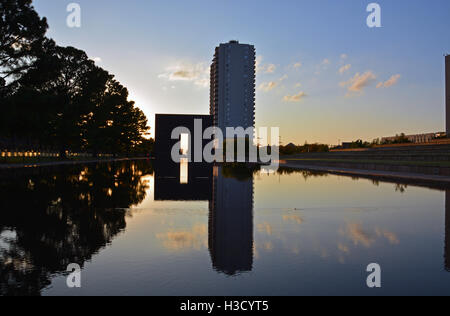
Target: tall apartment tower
{"points": [[232, 94], [447, 92]]}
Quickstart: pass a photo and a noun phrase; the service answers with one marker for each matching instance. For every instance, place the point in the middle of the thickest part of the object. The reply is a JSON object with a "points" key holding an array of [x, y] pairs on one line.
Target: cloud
{"points": [[297, 65], [267, 69], [345, 68], [322, 66], [298, 85], [204, 83], [295, 98], [196, 73], [97, 60], [358, 82], [268, 86], [261, 68], [390, 82], [258, 63], [182, 75], [271, 68]]}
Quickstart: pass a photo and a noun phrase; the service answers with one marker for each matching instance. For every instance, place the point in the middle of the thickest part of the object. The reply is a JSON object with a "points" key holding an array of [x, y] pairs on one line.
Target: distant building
{"points": [[232, 90], [447, 92], [417, 139]]}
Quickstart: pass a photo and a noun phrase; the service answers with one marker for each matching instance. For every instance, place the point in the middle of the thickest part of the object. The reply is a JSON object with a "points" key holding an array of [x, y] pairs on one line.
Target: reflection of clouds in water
{"points": [[277, 238], [356, 233], [196, 239], [324, 253], [255, 251], [293, 218], [341, 259], [265, 228], [391, 237], [343, 248], [268, 246]]}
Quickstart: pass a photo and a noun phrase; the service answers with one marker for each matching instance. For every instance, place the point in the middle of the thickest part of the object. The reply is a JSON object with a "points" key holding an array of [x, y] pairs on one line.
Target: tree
{"points": [[115, 125], [22, 33], [129, 125], [21, 36], [72, 83], [56, 96]]}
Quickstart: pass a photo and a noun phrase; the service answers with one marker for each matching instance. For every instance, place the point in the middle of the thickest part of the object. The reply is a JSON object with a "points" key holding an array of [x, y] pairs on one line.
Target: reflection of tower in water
{"points": [[447, 231], [231, 224]]}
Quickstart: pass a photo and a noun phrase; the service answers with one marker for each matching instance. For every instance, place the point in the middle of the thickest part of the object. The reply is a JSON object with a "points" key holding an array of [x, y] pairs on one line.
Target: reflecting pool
{"points": [[149, 228]]}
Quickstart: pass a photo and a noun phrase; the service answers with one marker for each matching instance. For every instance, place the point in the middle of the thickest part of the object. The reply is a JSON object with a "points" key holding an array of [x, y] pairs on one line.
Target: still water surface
{"points": [[137, 228]]}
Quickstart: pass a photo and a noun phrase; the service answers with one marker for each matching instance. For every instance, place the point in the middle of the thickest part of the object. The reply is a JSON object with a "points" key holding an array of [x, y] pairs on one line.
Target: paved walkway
{"points": [[371, 173], [62, 163]]}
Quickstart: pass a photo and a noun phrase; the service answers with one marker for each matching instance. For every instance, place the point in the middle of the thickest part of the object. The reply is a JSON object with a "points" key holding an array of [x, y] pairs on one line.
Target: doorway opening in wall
{"points": [[184, 144], [184, 162]]}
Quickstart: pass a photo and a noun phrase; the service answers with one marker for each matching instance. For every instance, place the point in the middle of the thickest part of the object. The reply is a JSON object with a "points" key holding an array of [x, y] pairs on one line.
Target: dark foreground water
{"points": [[136, 228]]}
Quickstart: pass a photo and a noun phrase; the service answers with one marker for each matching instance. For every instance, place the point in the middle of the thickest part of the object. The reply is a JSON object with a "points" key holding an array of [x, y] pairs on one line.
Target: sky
{"points": [[322, 74]]}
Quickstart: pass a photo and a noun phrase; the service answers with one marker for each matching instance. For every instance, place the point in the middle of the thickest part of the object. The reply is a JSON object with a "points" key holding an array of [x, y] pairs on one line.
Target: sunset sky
{"points": [[323, 75]]}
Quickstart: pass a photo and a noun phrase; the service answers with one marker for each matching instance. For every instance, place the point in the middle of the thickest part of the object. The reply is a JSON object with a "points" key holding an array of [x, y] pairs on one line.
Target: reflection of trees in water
{"points": [[51, 219], [239, 171], [399, 187], [305, 173]]}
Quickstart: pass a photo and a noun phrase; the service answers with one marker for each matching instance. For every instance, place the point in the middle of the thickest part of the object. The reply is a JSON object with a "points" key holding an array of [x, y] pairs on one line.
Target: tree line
{"points": [[56, 98], [292, 149]]}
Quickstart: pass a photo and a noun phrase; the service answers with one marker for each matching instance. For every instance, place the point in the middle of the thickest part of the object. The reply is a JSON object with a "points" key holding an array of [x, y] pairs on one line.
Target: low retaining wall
{"points": [[437, 171]]}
